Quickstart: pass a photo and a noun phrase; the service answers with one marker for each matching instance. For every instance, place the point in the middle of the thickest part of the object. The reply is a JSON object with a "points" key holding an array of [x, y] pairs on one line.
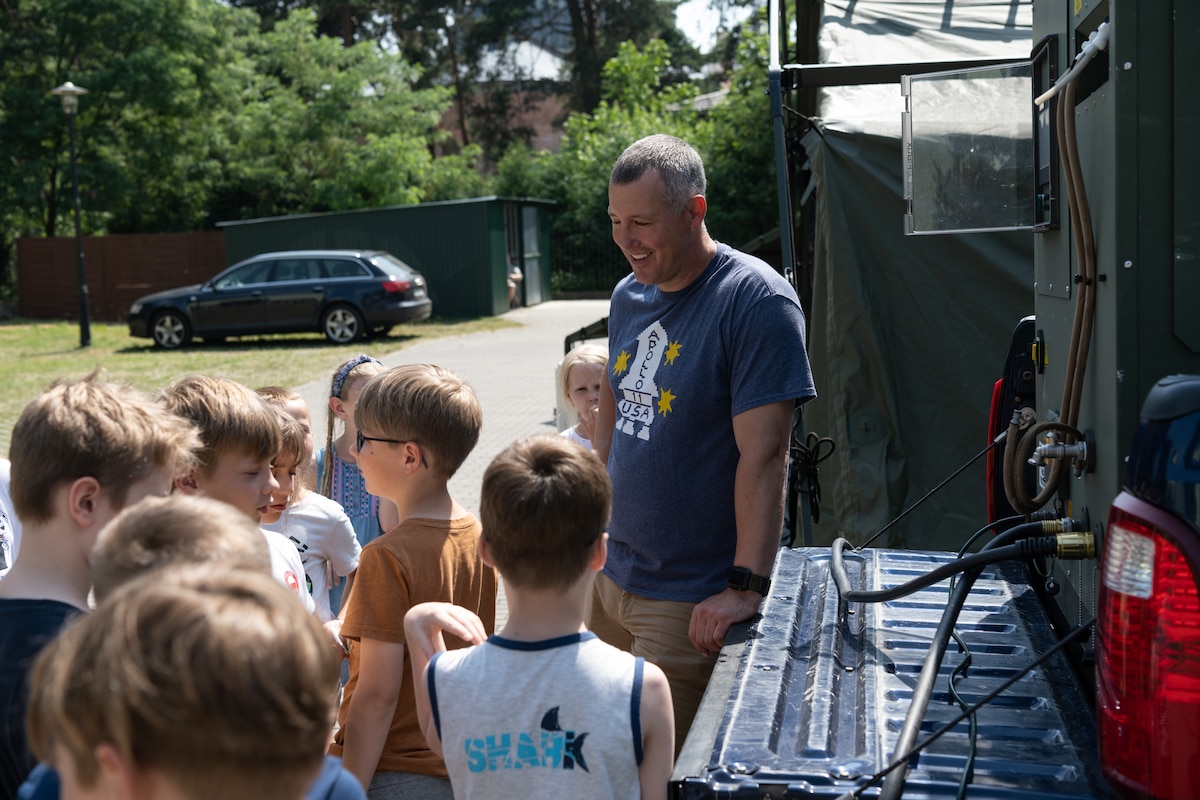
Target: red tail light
{"points": [[995, 482], [396, 286], [1148, 655]]}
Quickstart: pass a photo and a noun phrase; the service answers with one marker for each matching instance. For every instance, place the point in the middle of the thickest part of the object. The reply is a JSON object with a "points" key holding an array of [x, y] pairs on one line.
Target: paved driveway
{"points": [[511, 370]]}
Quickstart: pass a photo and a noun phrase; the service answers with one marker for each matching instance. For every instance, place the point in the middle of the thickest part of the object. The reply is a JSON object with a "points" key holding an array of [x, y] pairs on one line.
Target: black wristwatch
{"points": [[744, 580]]}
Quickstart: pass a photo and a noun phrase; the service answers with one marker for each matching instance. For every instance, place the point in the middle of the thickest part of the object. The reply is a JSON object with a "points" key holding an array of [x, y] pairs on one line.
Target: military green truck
{"points": [[1056, 652]]}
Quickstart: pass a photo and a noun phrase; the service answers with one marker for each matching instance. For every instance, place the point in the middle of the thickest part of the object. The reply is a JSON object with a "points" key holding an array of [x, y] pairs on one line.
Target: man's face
{"points": [[663, 248], [244, 482]]}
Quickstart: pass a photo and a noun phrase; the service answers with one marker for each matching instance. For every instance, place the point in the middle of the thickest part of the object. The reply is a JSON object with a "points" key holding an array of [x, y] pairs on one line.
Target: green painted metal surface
{"points": [[460, 246]]}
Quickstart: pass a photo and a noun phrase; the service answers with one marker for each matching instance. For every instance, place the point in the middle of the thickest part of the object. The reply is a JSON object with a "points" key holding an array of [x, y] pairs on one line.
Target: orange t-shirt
{"points": [[419, 561]]}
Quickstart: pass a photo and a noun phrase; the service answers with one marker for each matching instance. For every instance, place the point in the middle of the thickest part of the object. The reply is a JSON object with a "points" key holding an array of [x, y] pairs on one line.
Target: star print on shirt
{"points": [[673, 352], [622, 363], [664, 401]]}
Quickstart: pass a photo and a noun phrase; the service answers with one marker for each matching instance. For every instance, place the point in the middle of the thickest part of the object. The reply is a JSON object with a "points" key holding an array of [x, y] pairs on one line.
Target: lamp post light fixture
{"points": [[69, 94]]}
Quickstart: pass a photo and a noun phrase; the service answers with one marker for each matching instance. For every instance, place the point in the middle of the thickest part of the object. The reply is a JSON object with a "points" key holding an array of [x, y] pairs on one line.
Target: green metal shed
{"points": [[462, 247]]}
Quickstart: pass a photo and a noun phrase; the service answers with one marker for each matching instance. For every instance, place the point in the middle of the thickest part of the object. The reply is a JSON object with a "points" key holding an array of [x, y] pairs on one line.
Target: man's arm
{"points": [[372, 707], [762, 439], [424, 625], [658, 734], [606, 420]]}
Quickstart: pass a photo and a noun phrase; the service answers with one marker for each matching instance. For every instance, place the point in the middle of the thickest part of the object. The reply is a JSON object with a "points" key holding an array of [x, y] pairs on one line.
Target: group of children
{"points": [[192, 677]]}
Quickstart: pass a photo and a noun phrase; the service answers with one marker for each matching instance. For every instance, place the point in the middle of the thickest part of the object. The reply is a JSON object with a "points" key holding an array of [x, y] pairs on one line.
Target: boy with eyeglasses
{"points": [[416, 424]]}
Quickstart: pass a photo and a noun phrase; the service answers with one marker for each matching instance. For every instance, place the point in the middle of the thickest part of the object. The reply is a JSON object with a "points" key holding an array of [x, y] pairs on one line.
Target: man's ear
{"points": [[697, 207], [82, 497]]}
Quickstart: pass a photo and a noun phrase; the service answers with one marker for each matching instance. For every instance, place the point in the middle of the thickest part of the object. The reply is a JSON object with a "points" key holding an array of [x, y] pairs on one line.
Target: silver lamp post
{"points": [[69, 94]]}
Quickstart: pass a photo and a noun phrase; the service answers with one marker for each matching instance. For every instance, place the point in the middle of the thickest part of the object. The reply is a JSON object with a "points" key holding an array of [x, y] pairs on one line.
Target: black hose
{"points": [[998, 549]]}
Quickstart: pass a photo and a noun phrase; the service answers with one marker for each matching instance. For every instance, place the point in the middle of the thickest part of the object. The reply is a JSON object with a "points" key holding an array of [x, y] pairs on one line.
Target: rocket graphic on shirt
{"points": [[641, 396]]}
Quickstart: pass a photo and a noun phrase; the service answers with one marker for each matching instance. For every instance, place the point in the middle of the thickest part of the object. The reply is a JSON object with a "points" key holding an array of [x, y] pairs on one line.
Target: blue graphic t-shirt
{"points": [[682, 365]]}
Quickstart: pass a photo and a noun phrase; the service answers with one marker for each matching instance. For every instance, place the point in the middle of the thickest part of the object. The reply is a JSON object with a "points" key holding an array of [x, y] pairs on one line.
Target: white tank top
{"points": [[551, 719]]}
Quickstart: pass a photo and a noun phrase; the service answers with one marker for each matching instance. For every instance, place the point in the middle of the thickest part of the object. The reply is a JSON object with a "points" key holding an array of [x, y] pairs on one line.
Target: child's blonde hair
{"points": [[347, 373], [218, 680], [581, 354], [545, 500], [180, 529], [292, 450], [426, 404], [279, 397], [231, 418], [89, 428]]}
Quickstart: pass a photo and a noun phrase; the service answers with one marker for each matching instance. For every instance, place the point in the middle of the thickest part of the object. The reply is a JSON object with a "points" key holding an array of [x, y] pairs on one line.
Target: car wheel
{"points": [[171, 330], [342, 325]]}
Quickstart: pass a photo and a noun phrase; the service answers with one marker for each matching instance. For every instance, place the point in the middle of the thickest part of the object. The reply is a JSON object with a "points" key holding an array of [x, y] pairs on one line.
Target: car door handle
{"points": [[318, 288], [256, 293]]}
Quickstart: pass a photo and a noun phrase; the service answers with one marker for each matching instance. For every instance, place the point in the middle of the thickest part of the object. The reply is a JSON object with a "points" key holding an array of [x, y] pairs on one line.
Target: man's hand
{"points": [[713, 617]]}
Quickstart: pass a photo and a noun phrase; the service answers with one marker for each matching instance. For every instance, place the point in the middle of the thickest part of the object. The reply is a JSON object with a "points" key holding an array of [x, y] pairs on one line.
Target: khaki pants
{"points": [[656, 630]]}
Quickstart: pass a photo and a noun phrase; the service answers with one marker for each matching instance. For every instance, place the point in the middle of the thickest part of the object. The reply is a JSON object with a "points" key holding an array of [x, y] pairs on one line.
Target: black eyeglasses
{"points": [[360, 438]]}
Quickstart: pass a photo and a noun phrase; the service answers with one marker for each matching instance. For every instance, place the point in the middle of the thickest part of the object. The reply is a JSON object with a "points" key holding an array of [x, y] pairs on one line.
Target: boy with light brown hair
{"points": [[180, 702], [80, 452], [582, 719], [241, 438], [415, 425], [167, 531]]}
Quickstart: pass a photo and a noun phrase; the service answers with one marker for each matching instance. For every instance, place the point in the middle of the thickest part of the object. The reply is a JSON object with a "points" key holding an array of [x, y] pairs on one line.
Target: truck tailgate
{"points": [[803, 705]]}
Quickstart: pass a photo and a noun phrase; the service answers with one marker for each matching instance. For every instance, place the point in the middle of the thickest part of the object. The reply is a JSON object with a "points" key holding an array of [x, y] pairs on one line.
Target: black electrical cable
{"points": [[805, 458], [1040, 546], [932, 491], [902, 760], [960, 670]]}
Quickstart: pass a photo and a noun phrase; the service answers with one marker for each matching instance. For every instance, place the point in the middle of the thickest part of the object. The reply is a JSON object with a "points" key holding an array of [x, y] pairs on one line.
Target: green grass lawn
{"points": [[34, 354]]}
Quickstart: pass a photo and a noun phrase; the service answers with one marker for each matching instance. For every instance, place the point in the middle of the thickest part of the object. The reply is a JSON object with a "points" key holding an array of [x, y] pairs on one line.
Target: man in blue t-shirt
{"points": [[707, 363]]}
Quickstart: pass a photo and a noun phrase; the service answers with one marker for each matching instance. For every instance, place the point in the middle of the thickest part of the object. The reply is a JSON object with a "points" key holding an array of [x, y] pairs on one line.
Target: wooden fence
{"points": [[119, 269]]}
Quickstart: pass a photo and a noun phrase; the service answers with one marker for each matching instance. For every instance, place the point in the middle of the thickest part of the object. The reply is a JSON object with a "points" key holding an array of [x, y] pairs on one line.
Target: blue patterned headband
{"points": [[347, 368]]}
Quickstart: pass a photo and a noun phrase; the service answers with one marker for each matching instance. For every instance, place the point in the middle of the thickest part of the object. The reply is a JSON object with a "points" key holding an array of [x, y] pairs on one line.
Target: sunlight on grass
{"points": [[34, 354]]}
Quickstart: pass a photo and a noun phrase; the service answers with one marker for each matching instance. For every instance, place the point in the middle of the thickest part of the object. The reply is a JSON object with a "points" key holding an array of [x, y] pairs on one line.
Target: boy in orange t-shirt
{"points": [[416, 424]]}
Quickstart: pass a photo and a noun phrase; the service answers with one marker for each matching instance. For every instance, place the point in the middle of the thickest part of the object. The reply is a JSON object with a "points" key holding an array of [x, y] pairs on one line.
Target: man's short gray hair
{"points": [[675, 161]]}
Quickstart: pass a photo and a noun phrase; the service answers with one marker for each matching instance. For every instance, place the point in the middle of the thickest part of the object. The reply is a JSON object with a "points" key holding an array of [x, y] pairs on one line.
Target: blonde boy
{"points": [[180, 529], [241, 438], [543, 708], [415, 426], [80, 452], [180, 701]]}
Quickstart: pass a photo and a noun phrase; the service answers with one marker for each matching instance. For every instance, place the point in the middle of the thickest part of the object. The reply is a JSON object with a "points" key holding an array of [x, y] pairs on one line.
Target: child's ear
{"points": [[485, 555], [186, 484], [117, 777], [82, 496], [338, 407], [599, 555]]}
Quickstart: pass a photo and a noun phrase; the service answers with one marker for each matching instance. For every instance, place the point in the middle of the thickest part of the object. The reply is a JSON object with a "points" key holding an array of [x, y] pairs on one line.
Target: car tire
{"points": [[342, 324], [171, 330]]}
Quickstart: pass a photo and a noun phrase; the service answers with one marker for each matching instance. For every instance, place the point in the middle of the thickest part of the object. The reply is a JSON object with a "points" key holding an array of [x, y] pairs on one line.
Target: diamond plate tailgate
{"points": [[802, 704]]}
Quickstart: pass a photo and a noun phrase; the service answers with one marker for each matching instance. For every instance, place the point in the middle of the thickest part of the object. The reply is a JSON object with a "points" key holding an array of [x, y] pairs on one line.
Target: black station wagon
{"points": [[344, 294]]}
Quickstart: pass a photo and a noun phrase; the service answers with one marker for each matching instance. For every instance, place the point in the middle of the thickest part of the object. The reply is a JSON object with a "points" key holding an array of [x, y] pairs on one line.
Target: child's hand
{"points": [[425, 623], [334, 627]]}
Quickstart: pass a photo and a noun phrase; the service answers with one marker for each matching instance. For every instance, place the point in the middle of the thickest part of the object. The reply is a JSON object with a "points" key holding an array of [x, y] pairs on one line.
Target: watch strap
{"points": [[744, 580]]}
